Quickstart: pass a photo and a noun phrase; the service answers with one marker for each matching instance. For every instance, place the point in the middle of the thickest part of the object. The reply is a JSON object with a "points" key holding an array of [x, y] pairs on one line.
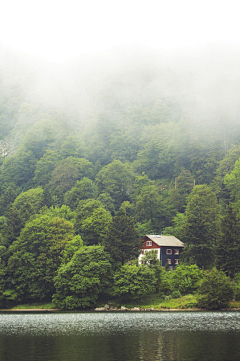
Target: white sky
{"points": [[58, 30]]}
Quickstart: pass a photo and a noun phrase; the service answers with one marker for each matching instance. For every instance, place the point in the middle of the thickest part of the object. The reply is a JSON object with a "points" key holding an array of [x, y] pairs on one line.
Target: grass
{"points": [[234, 304], [188, 301], [42, 306], [148, 302], [159, 302]]}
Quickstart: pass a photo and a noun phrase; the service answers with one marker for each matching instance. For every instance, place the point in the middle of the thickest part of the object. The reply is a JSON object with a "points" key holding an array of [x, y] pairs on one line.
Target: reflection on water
{"points": [[145, 336], [115, 323]]}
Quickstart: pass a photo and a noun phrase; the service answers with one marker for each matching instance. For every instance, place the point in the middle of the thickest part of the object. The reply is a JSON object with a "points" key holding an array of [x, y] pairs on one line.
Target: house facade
{"points": [[168, 248]]}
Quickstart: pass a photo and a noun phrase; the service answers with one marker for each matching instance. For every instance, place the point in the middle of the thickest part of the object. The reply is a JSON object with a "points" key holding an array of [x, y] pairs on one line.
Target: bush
{"points": [[165, 282], [185, 279], [176, 294], [215, 290], [133, 282]]}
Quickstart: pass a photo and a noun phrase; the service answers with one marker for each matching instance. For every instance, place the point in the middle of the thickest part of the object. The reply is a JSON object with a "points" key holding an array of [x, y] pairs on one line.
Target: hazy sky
{"points": [[58, 30]]}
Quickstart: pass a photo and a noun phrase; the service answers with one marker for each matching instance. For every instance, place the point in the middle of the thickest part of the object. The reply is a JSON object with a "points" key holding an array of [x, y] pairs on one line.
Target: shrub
{"points": [[215, 290], [133, 282], [185, 279]]}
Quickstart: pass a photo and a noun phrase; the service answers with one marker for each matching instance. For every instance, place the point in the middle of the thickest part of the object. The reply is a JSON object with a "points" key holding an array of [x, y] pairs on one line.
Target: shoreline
{"points": [[135, 309]]}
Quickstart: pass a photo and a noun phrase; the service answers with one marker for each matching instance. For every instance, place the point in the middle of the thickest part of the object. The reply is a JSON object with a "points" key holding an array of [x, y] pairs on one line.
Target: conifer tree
{"points": [[122, 240], [228, 247], [201, 226]]}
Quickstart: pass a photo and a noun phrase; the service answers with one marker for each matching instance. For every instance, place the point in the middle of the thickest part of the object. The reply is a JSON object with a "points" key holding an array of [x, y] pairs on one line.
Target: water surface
{"points": [[145, 336]]}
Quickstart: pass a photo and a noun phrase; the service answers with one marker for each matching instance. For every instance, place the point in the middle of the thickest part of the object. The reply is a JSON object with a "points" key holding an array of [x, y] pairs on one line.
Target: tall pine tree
{"points": [[228, 247], [122, 240], [201, 226]]}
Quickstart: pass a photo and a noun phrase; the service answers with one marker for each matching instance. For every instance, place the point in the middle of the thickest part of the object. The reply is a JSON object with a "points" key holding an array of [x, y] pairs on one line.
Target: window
{"points": [[176, 251], [169, 261], [169, 251], [176, 261], [149, 243]]}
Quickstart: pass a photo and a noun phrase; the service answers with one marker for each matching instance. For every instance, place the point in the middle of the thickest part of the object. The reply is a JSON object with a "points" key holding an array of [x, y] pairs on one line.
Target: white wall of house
{"points": [[147, 250]]}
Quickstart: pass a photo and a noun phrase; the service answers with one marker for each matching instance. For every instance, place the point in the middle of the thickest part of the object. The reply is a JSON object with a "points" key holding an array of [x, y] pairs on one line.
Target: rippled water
{"points": [[149, 336]]}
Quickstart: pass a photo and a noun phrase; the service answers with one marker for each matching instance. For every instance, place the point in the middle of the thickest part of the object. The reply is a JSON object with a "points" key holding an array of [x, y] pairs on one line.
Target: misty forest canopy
{"points": [[92, 156]]}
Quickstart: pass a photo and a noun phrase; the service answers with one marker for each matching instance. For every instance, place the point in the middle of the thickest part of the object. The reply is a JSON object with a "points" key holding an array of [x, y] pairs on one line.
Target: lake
{"points": [[123, 336]]}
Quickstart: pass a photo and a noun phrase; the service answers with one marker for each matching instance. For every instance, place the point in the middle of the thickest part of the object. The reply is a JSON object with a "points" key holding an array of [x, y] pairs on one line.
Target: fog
{"points": [[205, 80], [94, 57]]}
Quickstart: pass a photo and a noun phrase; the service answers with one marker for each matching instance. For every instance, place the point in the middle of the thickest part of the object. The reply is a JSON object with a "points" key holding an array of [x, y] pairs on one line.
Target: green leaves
{"points": [[133, 282], [215, 290], [122, 240], [116, 179], [185, 279], [228, 245], [84, 279], [36, 256], [201, 225]]}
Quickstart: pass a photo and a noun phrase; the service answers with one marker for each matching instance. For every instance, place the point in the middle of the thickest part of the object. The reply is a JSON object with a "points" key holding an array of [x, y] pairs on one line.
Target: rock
{"points": [[135, 309], [123, 308], [106, 307], [100, 309]]}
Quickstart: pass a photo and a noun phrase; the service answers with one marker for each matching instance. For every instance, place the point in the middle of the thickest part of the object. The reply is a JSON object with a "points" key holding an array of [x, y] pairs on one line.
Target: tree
{"points": [[70, 248], [83, 189], [61, 212], [232, 182], [85, 210], [94, 229], [226, 166], [116, 179], [68, 171], [107, 202], [7, 198], [73, 146], [150, 206], [36, 256], [122, 240], [183, 185], [228, 246], [177, 229], [201, 226], [81, 281], [124, 144], [159, 156], [185, 279], [150, 259], [31, 199], [45, 166], [215, 290], [25, 205], [133, 282], [18, 169]]}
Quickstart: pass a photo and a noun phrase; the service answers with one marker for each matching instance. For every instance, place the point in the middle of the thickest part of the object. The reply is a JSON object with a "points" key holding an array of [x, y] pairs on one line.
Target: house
{"points": [[168, 248]]}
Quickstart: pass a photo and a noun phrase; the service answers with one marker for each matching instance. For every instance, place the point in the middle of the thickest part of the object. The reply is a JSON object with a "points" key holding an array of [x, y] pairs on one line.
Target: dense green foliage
{"points": [[35, 257], [133, 282], [215, 290], [201, 225], [186, 279], [81, 281], [75, 181]]}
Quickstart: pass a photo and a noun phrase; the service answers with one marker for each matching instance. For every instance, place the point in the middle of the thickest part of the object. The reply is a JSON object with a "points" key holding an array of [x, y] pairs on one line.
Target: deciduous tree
{"points": [[81, 281], [36, 256]]}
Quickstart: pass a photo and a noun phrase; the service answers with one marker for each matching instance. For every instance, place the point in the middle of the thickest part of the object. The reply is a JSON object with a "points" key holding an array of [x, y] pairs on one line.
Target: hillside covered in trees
{"points": [[91, 163]]}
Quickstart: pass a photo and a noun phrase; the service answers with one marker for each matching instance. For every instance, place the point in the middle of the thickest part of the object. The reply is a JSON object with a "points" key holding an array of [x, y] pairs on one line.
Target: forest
{"points": [[88, 168]]}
